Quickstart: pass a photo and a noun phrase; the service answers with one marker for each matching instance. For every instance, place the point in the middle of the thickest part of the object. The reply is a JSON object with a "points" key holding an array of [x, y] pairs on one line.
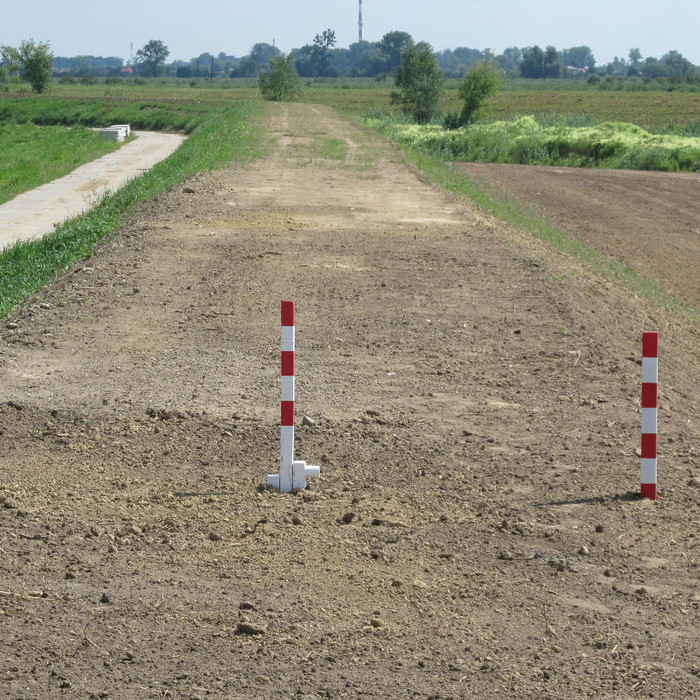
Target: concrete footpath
{"points": [[33, 214]]}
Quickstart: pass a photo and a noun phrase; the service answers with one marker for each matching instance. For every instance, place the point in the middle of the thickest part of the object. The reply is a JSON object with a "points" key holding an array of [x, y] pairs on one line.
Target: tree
{"points": [[322, 43], [553, 64], [32, 61], [541, 64], [653, 68], [257, 60], [579, 57], [532, 65], [391, 47], [678, 64], [635, 56], [481, 82], [420, 83], [312, 59], [362, 58], [510, 59], [456, 64], [152, 57], [281, 82]]}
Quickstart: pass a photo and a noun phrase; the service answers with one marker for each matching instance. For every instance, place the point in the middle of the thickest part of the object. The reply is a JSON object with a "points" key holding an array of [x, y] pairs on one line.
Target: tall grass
{"points": [[224, 136], [531, 142], [147, 114], [31, 156]]}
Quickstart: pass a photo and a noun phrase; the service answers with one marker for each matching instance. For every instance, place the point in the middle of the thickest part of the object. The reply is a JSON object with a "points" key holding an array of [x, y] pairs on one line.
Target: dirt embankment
{"points": [[474, 406]]}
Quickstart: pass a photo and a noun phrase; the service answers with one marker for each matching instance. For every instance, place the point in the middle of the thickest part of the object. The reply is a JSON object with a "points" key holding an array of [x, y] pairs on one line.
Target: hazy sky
{"points": [[191, 27]]}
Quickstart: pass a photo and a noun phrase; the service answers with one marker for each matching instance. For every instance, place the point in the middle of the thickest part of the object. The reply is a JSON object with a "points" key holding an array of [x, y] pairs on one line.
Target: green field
{"points": [[31, 155], [653, 110]]}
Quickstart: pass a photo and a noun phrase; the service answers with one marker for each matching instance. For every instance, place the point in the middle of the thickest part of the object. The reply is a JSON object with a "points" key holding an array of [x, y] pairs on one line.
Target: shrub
{"points": [[281, 82], [420, 82]]}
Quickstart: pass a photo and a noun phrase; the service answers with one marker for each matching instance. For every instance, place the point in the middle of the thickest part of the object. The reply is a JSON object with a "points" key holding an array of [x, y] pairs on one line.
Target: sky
{"points": [[192, 27]]}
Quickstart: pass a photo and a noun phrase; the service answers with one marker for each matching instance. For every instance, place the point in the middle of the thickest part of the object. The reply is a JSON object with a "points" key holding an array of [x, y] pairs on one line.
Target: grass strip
{"points": [[146, 114], [529, 141], [31, 155], [523, 217], [228, 136]]}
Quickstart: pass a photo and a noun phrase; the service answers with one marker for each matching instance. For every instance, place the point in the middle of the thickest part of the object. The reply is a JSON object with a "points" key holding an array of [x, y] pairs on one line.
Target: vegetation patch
{"points": [[528, 141], [334, 149], [223, 136], [147, 114], [31, 156]]}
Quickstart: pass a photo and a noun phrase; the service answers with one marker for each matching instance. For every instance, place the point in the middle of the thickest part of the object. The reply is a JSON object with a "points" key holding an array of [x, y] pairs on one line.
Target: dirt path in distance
{"points": [[473, 404], [649, 221]]}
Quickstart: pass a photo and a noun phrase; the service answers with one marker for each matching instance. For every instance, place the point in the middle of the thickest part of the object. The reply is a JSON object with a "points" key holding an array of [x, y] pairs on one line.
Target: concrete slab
{"points": [[33, 214]]}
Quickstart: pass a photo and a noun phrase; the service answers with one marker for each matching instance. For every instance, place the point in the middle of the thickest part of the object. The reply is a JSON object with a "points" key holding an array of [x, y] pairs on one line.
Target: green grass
{"points": [[654, 110], [333, 149], [218, 116], [226, 135], [31, 156], [149, 114], [527, 141], [658, 112], [525, 218]]}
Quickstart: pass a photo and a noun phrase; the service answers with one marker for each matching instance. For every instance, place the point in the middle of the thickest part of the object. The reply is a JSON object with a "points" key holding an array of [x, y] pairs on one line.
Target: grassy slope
{"points": [[31, 156], [227, 134]]}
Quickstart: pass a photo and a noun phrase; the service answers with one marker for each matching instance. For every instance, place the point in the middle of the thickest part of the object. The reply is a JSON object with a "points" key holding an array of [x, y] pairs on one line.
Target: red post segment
{"points": [[288, 313], [650, 344], [287, 413], [288, 360], [648, 491]]}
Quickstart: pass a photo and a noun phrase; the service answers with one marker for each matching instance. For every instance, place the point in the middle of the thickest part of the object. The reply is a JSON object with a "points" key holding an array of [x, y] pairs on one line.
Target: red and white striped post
{"points": [[293, 474], [650, 405]]}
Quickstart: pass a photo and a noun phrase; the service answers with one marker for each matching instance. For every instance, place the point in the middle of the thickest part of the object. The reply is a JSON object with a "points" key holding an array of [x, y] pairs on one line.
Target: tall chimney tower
{"points": [[360, 24]]}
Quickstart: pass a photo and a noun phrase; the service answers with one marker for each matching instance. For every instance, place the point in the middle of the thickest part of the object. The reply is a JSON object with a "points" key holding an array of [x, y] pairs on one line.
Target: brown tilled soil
{"points": [[647, 220], [474, 405]]}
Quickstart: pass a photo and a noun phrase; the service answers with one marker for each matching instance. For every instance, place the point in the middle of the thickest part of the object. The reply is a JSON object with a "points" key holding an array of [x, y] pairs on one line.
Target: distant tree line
{"points": [[79, 66], [321, 58]]}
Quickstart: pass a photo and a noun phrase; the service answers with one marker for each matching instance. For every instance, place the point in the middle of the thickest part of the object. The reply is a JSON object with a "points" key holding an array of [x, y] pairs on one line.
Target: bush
{"points": [[482, 81], [281, 82], [32, 61], [420, 82]]}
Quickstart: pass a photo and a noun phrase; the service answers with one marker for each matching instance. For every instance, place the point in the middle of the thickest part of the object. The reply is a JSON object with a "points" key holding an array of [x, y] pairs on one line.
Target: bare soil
{"points": [[474, 397], [649, 221]]}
